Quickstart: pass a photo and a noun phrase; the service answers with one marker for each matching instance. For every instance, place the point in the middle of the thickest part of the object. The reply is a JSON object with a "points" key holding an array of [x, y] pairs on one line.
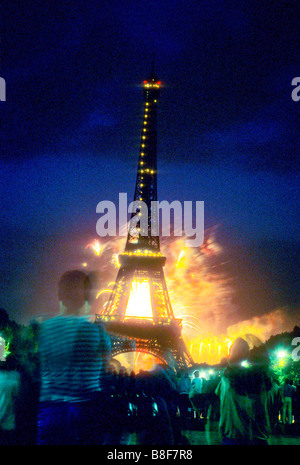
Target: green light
{"points": [[245, 364]]}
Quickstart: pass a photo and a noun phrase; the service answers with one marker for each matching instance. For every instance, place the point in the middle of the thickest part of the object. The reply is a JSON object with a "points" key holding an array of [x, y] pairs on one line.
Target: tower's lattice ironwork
{"points": [[138, 313]]}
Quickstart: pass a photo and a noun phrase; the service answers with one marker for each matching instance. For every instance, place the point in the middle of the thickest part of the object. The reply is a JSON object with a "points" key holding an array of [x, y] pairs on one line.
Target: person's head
{"points": [[73, 290], [239, 351], [259, 356], [196, 374]]}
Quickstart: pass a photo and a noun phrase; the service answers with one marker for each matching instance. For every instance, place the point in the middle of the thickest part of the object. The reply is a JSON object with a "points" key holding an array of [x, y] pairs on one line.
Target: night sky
{"points": [[228, 134]]}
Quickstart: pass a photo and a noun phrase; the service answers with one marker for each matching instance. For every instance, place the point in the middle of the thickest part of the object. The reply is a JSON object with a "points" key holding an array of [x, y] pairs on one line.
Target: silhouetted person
{"points": [[195, 394], [73, 357], [287, 407], [183, 397], [244, 417], [10, 383], [155, 409]]}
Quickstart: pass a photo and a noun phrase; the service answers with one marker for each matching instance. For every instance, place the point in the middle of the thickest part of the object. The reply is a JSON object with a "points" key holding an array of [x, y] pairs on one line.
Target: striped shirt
{"points": [[73, 352]]}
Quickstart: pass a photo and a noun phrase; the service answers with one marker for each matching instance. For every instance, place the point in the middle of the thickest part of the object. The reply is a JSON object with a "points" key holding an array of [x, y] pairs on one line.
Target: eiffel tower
{"points": [[139, 314]]}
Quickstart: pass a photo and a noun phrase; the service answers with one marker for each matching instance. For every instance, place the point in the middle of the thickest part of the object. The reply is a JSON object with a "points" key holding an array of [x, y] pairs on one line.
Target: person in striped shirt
{"points": [[73, 353]]}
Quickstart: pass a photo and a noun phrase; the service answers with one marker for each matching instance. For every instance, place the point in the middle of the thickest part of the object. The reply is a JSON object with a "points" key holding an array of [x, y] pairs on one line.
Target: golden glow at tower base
{"points": [[202, 295], [139, 302]]}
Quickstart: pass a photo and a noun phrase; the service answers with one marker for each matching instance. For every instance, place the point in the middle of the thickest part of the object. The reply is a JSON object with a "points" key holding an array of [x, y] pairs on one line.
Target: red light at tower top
{"points": [[151, 89], [151, 82]]}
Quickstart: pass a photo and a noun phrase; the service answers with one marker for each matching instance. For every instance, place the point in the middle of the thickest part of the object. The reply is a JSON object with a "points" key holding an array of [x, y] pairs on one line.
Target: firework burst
{"points": [[202, 294]]}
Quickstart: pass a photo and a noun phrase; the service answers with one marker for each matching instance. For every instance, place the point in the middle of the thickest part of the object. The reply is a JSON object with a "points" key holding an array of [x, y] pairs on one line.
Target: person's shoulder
{"points": [[50, 323], [59, 324], [93, 331], [89, 325], [53, 320]]}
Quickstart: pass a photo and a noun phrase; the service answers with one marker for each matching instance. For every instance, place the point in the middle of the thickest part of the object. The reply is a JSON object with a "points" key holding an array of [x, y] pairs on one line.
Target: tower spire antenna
{"points": [[153, 63]]}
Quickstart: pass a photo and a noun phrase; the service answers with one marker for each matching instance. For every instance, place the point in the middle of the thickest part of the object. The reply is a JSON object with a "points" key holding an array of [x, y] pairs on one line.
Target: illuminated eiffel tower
{"points": [[138, 313]]}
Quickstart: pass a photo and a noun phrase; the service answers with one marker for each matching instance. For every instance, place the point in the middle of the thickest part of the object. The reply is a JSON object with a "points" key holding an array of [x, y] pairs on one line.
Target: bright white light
{"points": [[245, 364], [281, 353], [139, 302]]}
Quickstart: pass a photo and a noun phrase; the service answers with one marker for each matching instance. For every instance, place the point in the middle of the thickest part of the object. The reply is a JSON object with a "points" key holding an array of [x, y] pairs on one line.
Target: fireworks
{"points": [[95, 246], [202, 295]]}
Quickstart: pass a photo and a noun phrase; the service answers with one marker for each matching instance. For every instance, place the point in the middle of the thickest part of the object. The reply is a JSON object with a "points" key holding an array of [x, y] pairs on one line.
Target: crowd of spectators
{"points": [[62, 388]]}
